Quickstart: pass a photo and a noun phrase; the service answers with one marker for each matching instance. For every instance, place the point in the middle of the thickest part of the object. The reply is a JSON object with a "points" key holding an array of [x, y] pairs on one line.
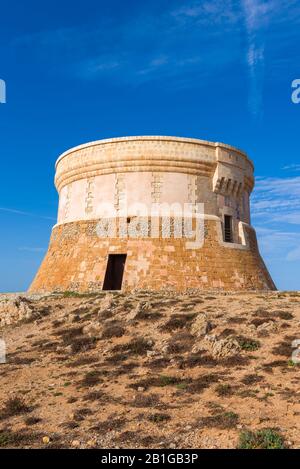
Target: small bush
{"points": [[227, 332], [145, 400], [91, 379], [168, 380], [6, 439], [10, 439], [76, 340], [252, 379], [144, 314], [198, 359], [21, 360], [137, 346], [70, 425], [158, 363], [112, 330], [237, 320], [274, 364], [125, 368], [80, 414], [249, 345], [267, 438], [99, 396], [180, 343], [178, 321], [83, 344], [68, 335], [284, 315], [32, 420], [15, 406], [222, 421], [75, 294], [109, 425], [129, 437], [224, 390], [158, 418], [236, 360], [257, 322], [116, 358], [203, 382], [283, 348], [291, 363], [157, 381], [262, 313]]}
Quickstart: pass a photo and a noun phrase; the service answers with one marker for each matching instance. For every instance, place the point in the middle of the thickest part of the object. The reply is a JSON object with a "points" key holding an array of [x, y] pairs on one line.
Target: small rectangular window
{"points": [[228, 229]]}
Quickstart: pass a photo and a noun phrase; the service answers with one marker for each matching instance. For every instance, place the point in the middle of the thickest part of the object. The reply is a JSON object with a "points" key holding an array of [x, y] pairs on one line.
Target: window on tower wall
{"points": [[228, 238]]}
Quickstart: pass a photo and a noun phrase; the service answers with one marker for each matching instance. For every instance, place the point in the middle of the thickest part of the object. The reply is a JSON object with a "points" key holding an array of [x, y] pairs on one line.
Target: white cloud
{"points": [[158, 61], [255, 13], [276, 216], [190, 42], [96, 67], [294, 255], [212, 12], [288, 187], [32, 249], [28, 214], [292, 167]]}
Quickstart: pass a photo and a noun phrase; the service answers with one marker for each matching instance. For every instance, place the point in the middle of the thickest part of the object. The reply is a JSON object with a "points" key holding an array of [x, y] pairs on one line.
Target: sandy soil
{"points": [[149, 370]]}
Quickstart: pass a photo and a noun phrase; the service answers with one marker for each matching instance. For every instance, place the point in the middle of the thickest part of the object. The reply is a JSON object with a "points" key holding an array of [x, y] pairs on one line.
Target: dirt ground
{"points": [[151, 370]]}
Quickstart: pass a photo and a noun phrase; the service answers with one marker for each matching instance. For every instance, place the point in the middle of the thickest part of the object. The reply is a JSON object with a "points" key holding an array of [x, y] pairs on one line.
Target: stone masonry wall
{"points": [[77, 260]]}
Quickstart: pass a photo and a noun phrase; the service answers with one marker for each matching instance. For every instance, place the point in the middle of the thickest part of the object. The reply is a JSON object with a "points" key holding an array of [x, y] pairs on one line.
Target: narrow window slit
{"points": [[228, 238]]}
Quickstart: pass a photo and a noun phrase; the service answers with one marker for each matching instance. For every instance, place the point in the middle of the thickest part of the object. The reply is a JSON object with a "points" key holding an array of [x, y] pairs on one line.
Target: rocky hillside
{"points": [[150, 370]]}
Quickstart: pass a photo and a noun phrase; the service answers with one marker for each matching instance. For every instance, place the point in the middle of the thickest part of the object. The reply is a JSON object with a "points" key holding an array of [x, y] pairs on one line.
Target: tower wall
{"points": [[101, 181]]}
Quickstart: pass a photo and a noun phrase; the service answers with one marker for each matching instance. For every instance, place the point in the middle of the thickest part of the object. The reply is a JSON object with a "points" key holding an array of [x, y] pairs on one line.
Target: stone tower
{"points": [[108, 236]]}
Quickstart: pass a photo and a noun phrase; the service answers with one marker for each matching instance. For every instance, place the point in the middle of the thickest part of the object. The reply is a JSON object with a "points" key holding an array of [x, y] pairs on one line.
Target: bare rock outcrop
{"points": [[201, 326], [15, 310], [221, 348]]}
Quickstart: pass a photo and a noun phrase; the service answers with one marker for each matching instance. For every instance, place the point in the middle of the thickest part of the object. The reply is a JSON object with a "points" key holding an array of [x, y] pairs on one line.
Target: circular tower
{"points": [[153, 213]]}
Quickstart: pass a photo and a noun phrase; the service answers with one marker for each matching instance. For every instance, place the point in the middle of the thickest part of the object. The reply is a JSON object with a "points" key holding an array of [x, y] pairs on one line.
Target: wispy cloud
{"points": [[277, 200], [180, 45], [276, 215], [294, 254], [27, 214], [278, 244], [186, 44], [256, 15], [209, 12], [31, 249], [102, 66], [292, 167]]}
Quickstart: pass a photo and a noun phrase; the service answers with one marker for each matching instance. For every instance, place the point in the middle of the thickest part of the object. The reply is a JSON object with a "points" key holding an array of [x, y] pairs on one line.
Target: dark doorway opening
{"points": [[228, 229], [114, 272]]}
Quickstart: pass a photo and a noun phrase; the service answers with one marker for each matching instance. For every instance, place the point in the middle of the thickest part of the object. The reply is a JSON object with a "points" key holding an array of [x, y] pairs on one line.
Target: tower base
{"points": [[78, 260]]}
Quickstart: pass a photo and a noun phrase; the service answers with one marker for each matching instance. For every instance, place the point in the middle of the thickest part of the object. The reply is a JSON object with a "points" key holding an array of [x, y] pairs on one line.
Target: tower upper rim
{"points": [[154, 138]]}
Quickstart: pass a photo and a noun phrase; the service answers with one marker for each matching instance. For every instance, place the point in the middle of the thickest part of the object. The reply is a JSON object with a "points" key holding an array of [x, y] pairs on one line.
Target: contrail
{"points": [[28, 214]]}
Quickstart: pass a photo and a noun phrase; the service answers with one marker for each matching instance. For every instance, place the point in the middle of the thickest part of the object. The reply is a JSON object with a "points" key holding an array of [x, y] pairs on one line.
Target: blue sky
{"points": [[79, 71]]}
